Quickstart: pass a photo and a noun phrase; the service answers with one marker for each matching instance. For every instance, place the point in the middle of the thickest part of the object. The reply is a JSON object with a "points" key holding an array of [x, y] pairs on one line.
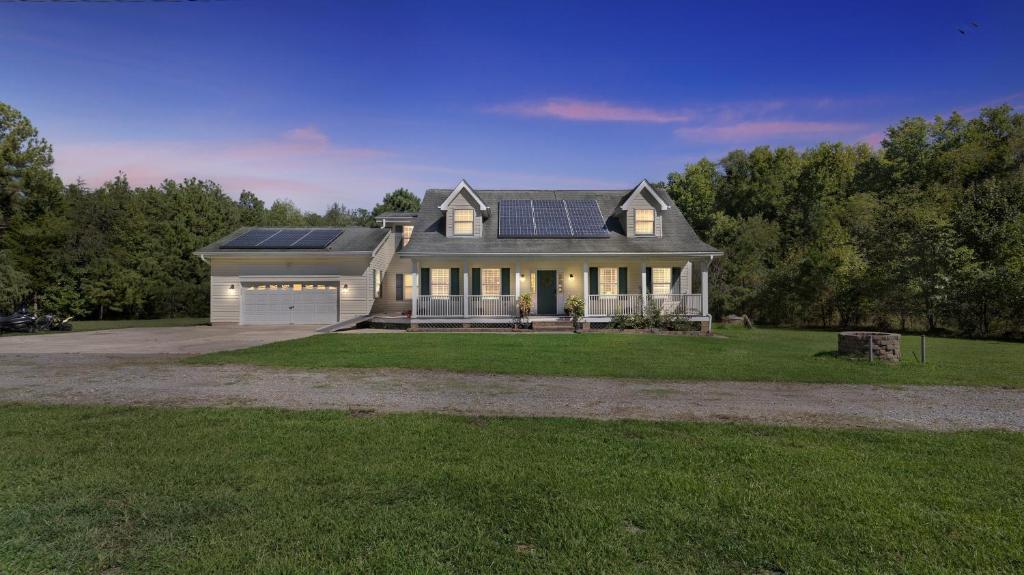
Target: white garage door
{"points": [[292, 302]]}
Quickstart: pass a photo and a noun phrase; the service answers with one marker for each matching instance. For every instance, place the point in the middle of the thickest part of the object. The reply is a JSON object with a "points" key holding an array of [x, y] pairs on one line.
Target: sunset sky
{"points": [[321, 102]]}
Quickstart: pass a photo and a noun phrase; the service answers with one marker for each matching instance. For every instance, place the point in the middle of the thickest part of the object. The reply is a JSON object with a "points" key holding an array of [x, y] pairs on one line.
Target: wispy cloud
{"points": [[589, 111], [302, 164], [732, 122], [748, 131]]}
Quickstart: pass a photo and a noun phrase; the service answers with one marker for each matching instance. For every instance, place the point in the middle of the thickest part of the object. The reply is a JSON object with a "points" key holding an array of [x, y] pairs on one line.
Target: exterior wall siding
{"points": [[641, 201], [387, 304], [463, 201], [225, 303]]}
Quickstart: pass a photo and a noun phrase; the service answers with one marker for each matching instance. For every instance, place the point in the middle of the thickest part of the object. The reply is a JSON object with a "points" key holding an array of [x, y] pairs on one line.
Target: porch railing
{"points": [[633, 304], [492, 306], [439, 306]]}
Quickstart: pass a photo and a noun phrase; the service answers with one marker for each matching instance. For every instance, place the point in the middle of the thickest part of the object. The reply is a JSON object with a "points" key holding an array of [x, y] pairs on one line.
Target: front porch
{"points": [[487, 291]]}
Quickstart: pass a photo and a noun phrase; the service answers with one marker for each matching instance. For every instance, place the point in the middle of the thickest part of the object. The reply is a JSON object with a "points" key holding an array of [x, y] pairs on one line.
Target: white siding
{"points": [[353, 271], [643, 202], [463, 201]]}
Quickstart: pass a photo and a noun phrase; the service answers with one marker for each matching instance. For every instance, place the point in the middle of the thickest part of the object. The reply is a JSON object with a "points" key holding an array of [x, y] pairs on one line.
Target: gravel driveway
{"points": [[158, 380], [153, 340]]}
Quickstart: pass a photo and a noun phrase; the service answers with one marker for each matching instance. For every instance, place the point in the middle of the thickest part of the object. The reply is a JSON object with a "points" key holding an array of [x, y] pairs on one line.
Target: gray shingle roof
{"points": [[352, 240], [428, 237]]}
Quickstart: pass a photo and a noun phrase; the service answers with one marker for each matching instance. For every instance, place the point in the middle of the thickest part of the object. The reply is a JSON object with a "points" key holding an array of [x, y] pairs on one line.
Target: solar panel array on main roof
{"points": [[550, 219], [284, 238]]}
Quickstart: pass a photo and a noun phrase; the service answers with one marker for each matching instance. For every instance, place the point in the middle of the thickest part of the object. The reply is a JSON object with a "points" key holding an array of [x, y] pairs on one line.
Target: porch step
{"points": [[560, 325]]}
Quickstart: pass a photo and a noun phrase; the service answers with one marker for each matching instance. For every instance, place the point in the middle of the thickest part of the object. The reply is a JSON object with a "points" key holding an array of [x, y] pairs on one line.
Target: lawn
{"points": [[744, 355], [92, 489], [96, 325]]}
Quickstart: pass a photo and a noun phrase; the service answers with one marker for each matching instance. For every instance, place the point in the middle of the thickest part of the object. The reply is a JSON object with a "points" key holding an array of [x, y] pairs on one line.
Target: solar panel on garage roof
{"points": [[586, 219], [284, 239], [318, 238], [551, 220], [250, 239], [515, 219]]}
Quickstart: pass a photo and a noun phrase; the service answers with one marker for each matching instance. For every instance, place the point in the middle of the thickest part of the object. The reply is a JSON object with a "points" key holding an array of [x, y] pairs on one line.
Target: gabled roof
{"points": [[428, 237], [352, 241], [639, 189], [463, 186]]}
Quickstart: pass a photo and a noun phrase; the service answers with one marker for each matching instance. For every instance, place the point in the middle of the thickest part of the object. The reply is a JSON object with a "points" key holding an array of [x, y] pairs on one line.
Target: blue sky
{"points": [[321, 102]]}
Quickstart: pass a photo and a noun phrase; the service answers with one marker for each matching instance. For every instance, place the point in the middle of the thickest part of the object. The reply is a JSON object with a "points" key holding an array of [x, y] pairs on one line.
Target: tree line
{"points": [[924, 233], [120, 251]]}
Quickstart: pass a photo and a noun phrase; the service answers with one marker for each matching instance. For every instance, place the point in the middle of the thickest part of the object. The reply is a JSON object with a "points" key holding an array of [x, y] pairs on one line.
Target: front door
{"points": [[547, 292]]}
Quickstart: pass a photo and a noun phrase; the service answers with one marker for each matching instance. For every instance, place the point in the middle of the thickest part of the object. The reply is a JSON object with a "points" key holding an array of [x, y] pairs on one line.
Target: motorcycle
{"points": [[23, 320], [20, 320]]}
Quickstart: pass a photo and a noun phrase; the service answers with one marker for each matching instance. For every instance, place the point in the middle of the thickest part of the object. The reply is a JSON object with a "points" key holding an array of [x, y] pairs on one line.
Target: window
{"points": [[439, 282], [403, 286], [463, 225], [406, 235], [661, 281], [378, 281], [608, 281], [644, 224], [490, 282]]}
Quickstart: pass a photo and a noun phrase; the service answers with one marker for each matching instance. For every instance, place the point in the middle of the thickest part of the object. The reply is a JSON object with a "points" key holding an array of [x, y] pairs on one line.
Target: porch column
{"points": [[586, 289], [465, 287], [704, 286], [518, 279], [643, 286], [415, 285]]}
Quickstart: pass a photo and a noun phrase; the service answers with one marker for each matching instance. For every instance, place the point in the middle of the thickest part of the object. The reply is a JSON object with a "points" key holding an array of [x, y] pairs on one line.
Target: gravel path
{"points": [[162, 380]]}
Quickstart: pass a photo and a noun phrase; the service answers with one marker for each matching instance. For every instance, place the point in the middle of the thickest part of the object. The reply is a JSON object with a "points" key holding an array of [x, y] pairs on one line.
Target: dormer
{"points": [[464, 212], [643, 209]]}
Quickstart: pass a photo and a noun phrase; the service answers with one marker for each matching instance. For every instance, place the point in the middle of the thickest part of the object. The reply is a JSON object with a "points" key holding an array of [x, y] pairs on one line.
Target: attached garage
{"points": [[303, 276], [289, 303]]}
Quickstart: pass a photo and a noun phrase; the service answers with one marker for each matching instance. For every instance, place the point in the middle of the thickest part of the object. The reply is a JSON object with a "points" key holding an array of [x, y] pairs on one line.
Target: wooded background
{"points": [[925, 233]]}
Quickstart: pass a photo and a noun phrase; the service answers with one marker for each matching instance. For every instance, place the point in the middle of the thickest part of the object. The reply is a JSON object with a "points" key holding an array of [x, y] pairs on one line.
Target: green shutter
{"points": [[399, 287], [593, 281], [676, 274], [650, 280], [476, 281], [506, 281], [623, 281], [424, 281], [453, 284]]}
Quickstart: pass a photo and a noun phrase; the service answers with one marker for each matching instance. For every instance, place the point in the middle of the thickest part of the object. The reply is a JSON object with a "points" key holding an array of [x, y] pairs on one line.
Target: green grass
{"points": [[86, 489], [745, 355], [96, 325]]}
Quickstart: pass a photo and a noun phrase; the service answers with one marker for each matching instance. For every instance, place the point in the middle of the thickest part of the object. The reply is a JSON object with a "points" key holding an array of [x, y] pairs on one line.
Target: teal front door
{"points": [[547, 292]]}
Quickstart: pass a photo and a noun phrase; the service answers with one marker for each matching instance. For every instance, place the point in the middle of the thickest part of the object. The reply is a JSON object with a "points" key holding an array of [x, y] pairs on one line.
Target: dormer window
{"points": [[462, 222], [644, 224]]}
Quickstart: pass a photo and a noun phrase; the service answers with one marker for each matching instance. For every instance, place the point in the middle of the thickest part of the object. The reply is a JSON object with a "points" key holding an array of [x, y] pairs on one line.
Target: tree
{"points": [[694, 192], [400, 200], [25, 162], [14, 284]]}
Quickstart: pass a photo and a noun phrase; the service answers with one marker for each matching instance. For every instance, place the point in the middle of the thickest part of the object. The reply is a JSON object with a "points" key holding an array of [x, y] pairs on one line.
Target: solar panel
{"points": [[551, 219], [318, 239], [283, 239], [251, 238], [515, 219], [586, 219]]}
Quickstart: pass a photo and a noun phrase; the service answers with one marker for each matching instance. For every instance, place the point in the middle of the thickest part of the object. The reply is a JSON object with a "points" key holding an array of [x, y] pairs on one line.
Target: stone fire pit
{"points": [[856, 344]]}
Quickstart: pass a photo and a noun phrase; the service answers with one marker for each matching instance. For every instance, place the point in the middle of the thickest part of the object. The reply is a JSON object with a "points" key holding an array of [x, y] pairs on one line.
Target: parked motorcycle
{"points": [[51, 322], [20, 320]]}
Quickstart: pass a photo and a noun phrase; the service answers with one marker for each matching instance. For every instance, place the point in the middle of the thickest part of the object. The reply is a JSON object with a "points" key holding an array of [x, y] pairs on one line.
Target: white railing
{"points": [[633, 304], [492, 306], [439, 306], [610, 305]]}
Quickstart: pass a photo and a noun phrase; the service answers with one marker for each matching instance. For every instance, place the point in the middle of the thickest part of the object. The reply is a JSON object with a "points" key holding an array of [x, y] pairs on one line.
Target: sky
{"points": [[322, 102]]}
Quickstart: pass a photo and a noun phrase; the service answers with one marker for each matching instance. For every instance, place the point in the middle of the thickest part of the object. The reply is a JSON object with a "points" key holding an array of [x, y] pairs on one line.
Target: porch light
{"points": [[231, 287], [344, 287], [571, 276]]}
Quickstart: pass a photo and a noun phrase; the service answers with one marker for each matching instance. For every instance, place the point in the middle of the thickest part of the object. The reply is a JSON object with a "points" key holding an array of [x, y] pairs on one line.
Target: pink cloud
{"points": [[754, 130], [301, 164], [588, 111]]}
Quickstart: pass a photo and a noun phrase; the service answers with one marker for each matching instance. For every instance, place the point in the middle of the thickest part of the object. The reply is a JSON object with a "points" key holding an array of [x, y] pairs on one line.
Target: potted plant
{"points": [[574, 307], [525, 304]]}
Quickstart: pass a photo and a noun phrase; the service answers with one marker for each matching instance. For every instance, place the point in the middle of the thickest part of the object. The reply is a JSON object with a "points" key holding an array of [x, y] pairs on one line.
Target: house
{"points": [[466, 257]]}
